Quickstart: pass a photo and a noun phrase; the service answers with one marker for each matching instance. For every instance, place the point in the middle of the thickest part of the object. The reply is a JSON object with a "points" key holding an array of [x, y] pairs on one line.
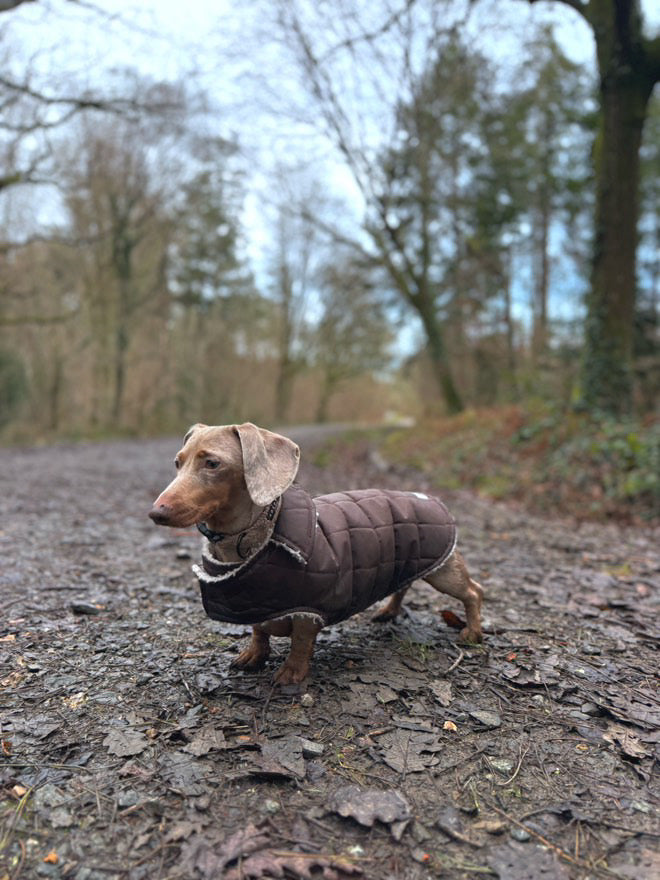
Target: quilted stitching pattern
{"points": [[335, 555]]}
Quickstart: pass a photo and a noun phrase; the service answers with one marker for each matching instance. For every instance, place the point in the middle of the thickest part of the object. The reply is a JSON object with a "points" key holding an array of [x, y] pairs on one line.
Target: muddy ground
{"points": [[129, 749]]}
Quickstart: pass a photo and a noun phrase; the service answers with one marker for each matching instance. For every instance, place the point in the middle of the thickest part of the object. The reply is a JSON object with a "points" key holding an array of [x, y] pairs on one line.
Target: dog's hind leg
{"points": [[453, 579], [392, 608]]}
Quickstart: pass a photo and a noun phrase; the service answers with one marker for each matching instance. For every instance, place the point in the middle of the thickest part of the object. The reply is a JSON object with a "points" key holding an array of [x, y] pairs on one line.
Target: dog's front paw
{"points": [[251, 658], [291, 672]]}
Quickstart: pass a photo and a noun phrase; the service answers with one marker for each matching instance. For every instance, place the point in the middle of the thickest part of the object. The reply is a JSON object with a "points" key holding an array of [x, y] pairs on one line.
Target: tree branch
{"points": [[6, 5], [370, 36], [577, 5], [22, 320]]}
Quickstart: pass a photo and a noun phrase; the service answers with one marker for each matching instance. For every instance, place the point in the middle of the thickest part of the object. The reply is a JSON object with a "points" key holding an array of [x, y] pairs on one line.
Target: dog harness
{"points": [[330, 556]]}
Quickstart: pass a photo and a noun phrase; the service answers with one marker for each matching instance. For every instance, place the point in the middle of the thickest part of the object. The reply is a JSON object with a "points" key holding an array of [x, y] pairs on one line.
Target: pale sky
{"points": [[224, 44]]}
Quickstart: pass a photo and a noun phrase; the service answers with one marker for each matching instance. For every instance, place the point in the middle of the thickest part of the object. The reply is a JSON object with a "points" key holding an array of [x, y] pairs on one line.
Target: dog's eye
{"points": [[211, 464]]}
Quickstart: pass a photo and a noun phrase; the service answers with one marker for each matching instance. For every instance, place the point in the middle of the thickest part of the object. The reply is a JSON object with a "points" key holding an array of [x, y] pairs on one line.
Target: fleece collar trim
{"points": [[293, 531]]}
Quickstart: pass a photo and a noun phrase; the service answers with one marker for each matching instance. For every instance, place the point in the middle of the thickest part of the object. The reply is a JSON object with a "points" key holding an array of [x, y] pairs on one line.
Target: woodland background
{"points": [[395, 210]]}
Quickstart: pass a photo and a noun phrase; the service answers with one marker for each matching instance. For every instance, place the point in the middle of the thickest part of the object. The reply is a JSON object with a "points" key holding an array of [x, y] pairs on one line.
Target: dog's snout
{"points": [[160, 514]]}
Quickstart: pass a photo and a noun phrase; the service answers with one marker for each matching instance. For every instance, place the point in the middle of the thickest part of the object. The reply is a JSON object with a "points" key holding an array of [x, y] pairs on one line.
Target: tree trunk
{"points": [[509, 323], [629, 67], [607, 368], [439, 358], [541, 274], [327, 390]]}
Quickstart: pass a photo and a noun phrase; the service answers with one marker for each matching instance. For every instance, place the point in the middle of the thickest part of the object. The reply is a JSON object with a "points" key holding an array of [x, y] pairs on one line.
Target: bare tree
{"points": [[411, 174], [292, 272], [628, 69], [352, 336]]}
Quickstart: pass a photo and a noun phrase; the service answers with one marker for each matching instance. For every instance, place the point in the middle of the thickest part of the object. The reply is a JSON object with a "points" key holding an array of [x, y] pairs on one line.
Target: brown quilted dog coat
{"points": [[331, 556]]}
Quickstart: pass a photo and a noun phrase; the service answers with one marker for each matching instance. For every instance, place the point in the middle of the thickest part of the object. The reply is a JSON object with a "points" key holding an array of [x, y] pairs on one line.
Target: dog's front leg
{"points": [[295, 668], [256, 653]]}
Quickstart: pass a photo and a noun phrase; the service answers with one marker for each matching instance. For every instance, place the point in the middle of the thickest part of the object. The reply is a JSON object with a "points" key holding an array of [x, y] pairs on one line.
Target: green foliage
{"points": [[554, 460], [620, 459], [13, 385]]}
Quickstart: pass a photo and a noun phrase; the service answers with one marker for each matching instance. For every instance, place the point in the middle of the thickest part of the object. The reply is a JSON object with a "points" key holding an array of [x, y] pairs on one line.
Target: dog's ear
{"points": [[191, 430], [270, 462]]}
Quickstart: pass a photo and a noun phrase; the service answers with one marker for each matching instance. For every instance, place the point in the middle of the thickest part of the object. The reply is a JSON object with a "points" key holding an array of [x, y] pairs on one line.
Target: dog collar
{"points": [[266, 515], [210, 535]]}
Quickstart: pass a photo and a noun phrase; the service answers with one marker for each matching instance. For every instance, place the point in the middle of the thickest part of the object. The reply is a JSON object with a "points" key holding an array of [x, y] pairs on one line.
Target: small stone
{"points": [[503, 766], [315, 771], [578, 716], [420, 834], [641, 806], [420, 855], [85, 608], [271, 806], [397, 829], [488, 719], [591, 649], [183, 554], [356, 851], [128, 798], [311, 749], [520, 834], [61, 818], [538, 699], [590, 709], [307, 700]]}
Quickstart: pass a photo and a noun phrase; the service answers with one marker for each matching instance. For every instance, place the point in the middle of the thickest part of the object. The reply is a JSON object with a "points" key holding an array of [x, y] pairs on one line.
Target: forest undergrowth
{"points": [[550, 461]]}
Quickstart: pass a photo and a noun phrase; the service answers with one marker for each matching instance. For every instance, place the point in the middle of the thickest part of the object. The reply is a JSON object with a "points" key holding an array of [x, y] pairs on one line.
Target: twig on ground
{"points": [[456, 662], [516, 771], [553, 846]]}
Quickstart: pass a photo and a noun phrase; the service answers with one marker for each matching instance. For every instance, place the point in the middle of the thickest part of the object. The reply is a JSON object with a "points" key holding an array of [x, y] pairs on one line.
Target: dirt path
{"points": [[130, 750]]}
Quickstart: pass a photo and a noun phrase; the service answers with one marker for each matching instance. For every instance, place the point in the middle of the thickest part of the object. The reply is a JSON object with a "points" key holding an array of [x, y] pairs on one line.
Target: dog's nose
{"points": [[160, 514]]}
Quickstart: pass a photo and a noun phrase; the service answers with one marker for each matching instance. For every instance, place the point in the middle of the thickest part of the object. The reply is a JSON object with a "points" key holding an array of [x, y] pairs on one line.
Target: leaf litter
{"points": [[130, 750]]}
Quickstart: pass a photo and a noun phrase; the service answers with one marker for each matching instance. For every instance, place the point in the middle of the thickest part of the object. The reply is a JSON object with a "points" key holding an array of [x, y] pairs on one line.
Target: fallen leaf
{"points": [[441, 690], [284, 864], [52, 858], [385, 694], [409, 751], [206, 740], [125, 742], [523, 861], [365, 805], [452, 620], [627, 740], [182, 830], [282, 757], [197, 854], [183, 773], [449, 725]]}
